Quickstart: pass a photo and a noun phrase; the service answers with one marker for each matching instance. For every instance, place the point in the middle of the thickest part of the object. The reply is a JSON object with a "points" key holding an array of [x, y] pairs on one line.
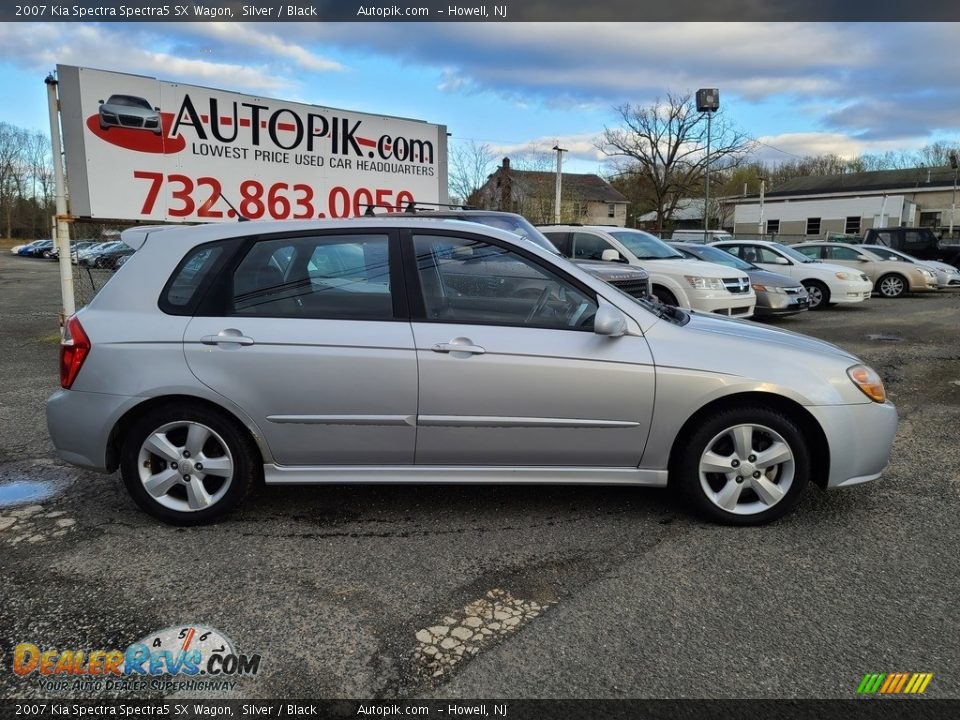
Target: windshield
{"points": [[128, 101], [720, 257], [516, 224], [644, 245], [792, 254], [886, 253]]}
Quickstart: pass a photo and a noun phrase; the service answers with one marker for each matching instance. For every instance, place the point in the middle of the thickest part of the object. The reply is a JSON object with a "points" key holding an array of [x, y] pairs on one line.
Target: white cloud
{"points": [[41, 47], [789, 146], [250, 37]]}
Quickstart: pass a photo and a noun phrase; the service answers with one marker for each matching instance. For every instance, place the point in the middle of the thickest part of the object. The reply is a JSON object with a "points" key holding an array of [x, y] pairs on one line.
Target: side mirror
{"points": [[609, 321], [863, 258], [157, 109], [780, 260], [610, 255]]}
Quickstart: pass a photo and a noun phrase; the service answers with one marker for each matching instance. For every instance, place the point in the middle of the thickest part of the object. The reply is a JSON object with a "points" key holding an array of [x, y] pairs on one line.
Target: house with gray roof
{"points": [[585, 198]]}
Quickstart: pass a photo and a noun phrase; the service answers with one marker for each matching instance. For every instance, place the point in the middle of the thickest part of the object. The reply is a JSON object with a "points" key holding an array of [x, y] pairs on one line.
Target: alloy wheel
{"points": [[185, 466], [746, 469]]}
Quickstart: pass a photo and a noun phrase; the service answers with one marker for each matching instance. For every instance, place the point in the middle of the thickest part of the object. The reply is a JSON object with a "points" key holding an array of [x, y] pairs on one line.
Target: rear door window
{"points": [[335, 277]]}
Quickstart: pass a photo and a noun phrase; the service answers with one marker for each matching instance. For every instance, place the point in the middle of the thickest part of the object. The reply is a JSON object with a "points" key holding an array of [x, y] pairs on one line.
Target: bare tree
{"points": [[470, 166], [14, 172], [664, 145]]}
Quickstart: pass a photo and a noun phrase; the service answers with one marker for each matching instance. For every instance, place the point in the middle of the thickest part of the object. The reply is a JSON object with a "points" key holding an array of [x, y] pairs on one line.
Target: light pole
{"points": [[708, 101], [556, 200], [763, 186], [953, 204]]}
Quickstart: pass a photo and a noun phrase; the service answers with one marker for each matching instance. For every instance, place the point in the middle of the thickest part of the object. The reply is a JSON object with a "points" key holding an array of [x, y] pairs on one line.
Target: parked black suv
{"points": [[919, 242], [634, 281]]}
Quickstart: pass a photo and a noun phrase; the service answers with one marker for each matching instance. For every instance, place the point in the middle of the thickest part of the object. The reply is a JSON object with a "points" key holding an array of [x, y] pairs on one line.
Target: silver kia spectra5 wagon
{"points": [[427, 351]]}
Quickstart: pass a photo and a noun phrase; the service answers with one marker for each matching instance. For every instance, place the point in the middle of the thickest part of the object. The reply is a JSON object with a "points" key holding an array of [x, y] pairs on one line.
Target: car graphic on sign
{"points": [[129, 111]]}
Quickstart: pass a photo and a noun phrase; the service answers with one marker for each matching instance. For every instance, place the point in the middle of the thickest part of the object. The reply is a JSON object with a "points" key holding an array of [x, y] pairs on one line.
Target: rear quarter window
{"points": [[182, 291]]}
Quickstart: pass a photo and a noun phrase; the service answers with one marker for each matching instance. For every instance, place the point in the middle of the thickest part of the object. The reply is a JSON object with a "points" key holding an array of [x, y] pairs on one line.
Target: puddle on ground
{"points": [[21, 492], [884, 338]]}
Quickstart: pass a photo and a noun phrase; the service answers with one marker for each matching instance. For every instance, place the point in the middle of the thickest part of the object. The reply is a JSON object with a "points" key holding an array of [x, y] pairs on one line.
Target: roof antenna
{"points": [[240, 218]]}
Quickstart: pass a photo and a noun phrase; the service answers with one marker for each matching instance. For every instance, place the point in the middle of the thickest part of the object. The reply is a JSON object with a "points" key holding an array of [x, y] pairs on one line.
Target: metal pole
{"points": [[883, 207], [556, 200], [62, 239], [953, 204], [706, 201], [763, 184]]}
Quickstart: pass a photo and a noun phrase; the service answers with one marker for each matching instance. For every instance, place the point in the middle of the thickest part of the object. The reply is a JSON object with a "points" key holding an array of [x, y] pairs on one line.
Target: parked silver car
{"points": [[777, 295], [413, 351]]}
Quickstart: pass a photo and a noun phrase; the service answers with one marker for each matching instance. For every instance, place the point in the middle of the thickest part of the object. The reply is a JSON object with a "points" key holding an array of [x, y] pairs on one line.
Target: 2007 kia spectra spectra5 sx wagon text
{"points": [[423, 351]]}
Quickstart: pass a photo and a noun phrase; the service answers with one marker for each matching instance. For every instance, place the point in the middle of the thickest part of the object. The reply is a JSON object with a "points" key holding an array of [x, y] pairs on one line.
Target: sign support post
{"points": [[62, 236]]}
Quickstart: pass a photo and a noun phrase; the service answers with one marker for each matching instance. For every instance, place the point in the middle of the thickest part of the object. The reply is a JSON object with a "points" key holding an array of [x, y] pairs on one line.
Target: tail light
{"points": [[74, 349]]}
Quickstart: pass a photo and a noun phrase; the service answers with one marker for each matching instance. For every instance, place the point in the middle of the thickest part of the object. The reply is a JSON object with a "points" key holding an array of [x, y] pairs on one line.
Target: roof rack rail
{"points": [[412, 207]]}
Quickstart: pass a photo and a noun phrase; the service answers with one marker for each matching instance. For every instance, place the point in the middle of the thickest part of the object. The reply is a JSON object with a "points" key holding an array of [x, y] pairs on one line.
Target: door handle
{"points": [[459, 345], [230, 336]]}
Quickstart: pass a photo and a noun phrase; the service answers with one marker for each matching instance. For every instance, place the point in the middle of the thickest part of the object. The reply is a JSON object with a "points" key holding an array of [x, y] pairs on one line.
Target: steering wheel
{"points": [[540, 304]]}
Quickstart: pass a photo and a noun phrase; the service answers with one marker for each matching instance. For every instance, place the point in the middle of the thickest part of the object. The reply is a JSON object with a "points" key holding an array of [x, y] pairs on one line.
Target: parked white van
{"points": [[696, 236]]}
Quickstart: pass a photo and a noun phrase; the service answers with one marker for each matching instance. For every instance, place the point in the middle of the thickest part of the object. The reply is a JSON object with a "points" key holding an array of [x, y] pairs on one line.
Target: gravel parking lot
{"points": [[594, 592]]}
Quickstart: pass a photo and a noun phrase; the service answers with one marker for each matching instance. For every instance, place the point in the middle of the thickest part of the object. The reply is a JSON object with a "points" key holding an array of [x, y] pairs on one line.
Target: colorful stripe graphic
{"points": [[894, 683]]}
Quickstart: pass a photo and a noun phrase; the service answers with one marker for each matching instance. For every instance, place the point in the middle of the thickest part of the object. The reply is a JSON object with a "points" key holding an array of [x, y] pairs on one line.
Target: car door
{"points": [[766, 258], [836, 255], [587, 246], [510, 371], [308, 335]]}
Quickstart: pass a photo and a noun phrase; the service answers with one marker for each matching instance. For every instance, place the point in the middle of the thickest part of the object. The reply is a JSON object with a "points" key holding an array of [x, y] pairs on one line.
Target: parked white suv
{"points": [[826, 283], [674, 279], [697, 236]]}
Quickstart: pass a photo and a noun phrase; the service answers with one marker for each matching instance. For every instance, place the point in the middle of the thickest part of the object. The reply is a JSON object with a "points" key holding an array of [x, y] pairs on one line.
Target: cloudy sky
{"points": [[797, 88]]}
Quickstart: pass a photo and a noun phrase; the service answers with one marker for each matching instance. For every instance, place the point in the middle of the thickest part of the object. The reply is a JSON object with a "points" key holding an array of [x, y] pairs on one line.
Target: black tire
{"points": [[664, 296], [240, 449], [892, 285], [819, 294], [686, 475]]}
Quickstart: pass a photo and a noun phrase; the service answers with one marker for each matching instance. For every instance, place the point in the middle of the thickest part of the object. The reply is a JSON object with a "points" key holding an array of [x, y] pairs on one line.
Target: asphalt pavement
{"points": [[596, 592]]}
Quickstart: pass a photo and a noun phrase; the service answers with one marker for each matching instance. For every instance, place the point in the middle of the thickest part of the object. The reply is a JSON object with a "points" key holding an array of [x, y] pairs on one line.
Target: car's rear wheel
{"points": [[744, 466], [818, 293], [187, 464], [892, 286]]}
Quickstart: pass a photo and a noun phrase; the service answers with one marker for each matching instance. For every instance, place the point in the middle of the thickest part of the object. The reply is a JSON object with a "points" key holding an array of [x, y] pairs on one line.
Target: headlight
{"points": [[844, 276], [928, 274], [768, 288], [868, 381], [704, 283]]}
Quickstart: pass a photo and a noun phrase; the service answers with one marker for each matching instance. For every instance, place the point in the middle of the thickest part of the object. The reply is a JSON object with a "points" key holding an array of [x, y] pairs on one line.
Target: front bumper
{"points": [[860, 439], [852, 292], [722, 302], [774, 304]]}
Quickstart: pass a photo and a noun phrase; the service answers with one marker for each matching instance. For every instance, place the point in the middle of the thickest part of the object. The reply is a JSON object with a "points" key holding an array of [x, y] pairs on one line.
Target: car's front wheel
{"points": [[818, 293], [187, 464], [664, 296], [892, 286], [744, 466]]}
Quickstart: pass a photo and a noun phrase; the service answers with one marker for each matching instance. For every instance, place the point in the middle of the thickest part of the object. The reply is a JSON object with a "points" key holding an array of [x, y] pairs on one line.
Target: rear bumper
{"points": [[860, 439], [80, 423]]}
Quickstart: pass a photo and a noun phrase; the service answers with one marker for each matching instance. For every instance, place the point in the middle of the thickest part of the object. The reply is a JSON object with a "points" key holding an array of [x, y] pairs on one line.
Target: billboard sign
{"points": [[143, 149]]}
